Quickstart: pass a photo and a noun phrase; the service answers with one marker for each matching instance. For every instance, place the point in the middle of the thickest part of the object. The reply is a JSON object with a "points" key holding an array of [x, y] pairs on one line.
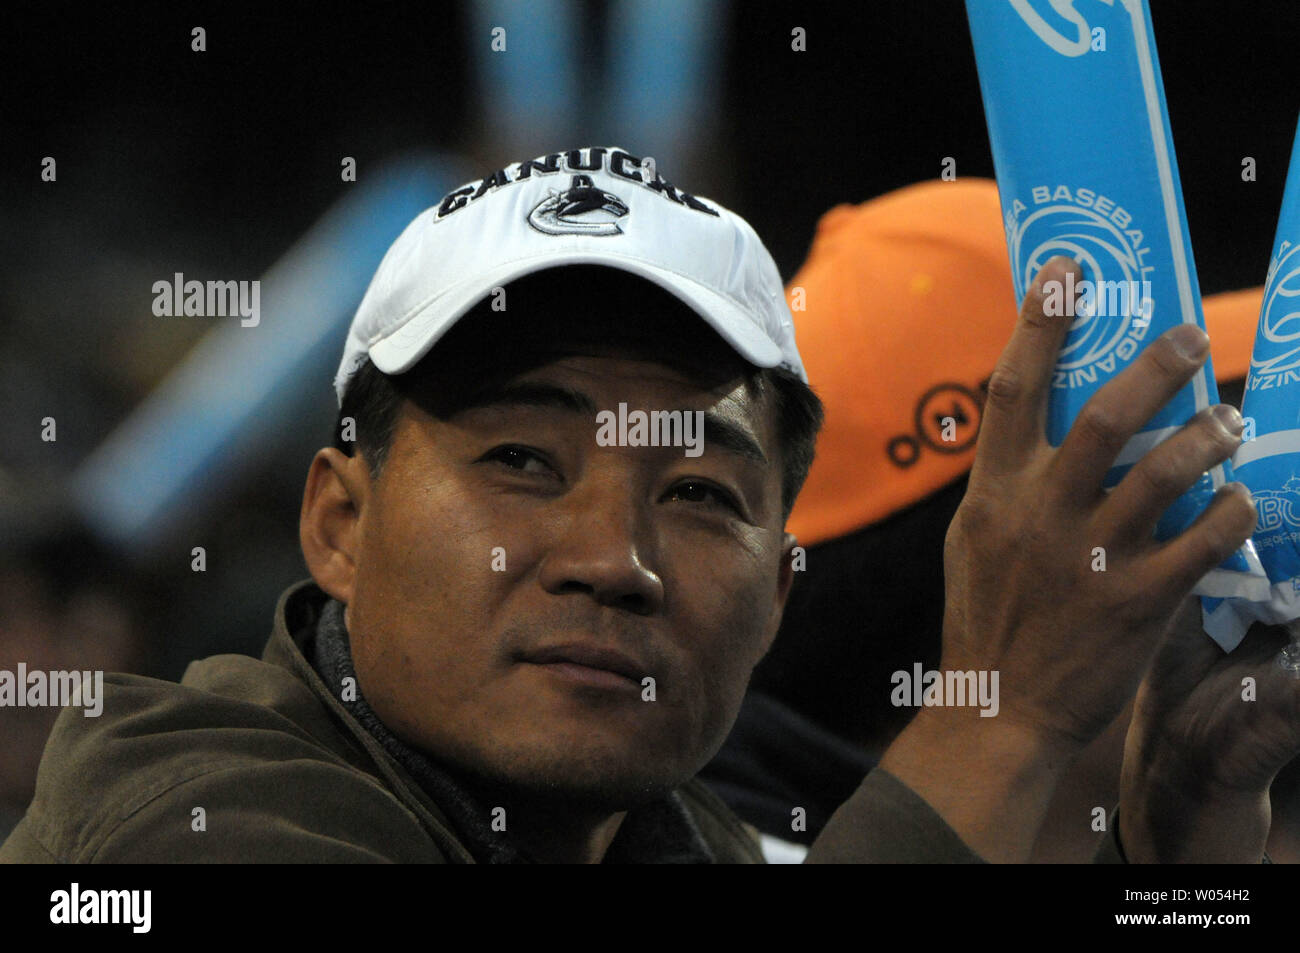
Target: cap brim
{"points": [[405, 345]]}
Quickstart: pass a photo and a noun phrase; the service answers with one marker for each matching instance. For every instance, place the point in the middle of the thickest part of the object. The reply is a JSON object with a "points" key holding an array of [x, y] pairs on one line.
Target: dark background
{"points": [[235, 150]]}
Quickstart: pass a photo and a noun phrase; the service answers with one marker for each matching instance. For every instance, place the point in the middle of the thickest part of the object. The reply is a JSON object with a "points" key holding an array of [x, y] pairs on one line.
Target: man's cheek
{"points": [[743, 602], [425, 554], [719, 673], [481, 535]]}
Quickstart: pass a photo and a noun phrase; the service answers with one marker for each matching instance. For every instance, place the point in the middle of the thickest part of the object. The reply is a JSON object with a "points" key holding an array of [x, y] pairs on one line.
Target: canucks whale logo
{"points": [[1107, 254], [581, 209], [1277, 346]]}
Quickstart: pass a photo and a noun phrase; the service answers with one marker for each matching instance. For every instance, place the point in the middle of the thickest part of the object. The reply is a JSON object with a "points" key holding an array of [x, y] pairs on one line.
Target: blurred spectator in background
{"points": [[901, 311], [66, 604]]}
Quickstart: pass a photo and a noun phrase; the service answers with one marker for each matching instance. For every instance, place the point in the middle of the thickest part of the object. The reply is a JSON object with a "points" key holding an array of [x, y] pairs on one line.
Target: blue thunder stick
{"points": [[1085, 168], [1269, 463]]}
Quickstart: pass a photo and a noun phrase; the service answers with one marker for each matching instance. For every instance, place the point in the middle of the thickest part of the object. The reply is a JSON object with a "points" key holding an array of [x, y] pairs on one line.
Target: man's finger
{"points": [[1124, 405], [1015, 412], [1226, 523], [1167, 471], [1185, 656]]}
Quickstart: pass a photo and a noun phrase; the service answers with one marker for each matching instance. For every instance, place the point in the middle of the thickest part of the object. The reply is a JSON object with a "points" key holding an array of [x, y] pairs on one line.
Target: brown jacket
{"points": [[284, 773]]}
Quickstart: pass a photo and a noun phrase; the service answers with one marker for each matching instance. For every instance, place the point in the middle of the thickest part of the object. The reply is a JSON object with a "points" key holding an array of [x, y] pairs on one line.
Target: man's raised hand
{"points": [[1023, 596]]}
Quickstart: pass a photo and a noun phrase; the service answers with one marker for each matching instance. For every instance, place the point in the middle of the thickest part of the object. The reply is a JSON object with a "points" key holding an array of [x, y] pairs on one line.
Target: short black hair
{"points": [[373, 398]]}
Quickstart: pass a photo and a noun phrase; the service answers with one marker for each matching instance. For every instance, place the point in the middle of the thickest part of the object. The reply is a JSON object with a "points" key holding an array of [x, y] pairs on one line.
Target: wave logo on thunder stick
{"points": [[1085, 168], [1097, 233], [1280, 324]]}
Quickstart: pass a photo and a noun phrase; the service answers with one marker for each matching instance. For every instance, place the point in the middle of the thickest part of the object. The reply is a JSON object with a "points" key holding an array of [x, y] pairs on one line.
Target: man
{"points": [[537, 595]]}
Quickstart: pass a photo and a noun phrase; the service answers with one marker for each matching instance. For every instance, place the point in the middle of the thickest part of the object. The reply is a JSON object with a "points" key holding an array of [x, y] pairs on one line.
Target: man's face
{"points": [[517, 584]]}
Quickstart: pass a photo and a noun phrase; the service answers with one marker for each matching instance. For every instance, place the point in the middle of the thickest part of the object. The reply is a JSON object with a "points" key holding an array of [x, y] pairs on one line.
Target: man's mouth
{"points": [[590, 665]]}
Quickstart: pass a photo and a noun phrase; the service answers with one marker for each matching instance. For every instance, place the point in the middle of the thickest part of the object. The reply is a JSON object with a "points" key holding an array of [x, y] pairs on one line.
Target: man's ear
{"points": [[329, 526], [784, 580]]}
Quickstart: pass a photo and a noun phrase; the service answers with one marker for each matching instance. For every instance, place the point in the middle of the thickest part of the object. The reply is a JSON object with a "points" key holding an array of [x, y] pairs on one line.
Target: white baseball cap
{"points": [[593, 206]]}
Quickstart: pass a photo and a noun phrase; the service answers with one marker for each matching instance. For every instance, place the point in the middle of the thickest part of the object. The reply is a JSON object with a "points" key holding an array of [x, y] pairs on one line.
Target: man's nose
{"points": [[603, 547]]}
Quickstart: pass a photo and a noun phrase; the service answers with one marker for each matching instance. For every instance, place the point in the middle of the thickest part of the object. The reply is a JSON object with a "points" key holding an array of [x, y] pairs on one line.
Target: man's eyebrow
{"points": [[723, 433], [732, 437]]}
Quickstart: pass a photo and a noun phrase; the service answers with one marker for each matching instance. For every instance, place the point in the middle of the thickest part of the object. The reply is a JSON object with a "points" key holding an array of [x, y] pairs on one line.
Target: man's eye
{"points": [[518, 458], [694, 491]]}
